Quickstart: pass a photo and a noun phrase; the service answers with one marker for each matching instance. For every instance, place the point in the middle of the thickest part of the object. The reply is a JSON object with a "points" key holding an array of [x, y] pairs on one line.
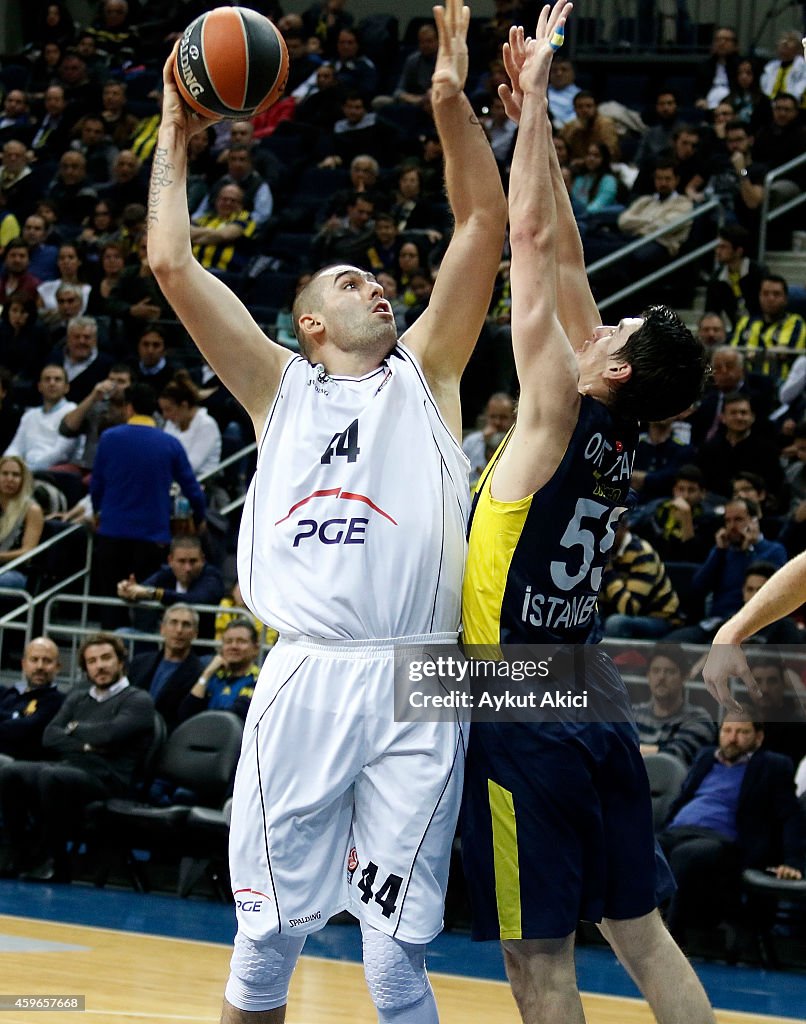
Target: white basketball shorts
{"points": [[336, 805]]}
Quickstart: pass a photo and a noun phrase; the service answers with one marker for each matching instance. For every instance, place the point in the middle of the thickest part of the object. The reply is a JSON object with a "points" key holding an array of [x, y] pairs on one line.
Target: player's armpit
{"points": [[444, 336]]}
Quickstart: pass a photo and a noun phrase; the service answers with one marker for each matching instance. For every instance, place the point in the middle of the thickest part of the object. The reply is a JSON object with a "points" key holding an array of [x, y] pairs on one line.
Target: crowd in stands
{"points": [[104, 398]]}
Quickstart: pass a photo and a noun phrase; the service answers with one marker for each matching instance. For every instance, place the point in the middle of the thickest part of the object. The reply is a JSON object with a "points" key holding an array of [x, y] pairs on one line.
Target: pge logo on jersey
{"points": [[343, 530], [250, 901], [332, 531]]}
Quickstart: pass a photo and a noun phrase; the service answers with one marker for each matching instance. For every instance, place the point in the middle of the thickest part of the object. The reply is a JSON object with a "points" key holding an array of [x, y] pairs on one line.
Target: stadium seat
{"points": [[292, 247], [272, 288], [207, 835], [200, 756], [666, 774], [765, 896]]}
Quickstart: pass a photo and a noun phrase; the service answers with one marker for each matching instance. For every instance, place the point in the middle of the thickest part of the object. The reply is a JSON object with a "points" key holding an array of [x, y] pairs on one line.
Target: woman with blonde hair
{"points": [[190, 423], [21, 518]]}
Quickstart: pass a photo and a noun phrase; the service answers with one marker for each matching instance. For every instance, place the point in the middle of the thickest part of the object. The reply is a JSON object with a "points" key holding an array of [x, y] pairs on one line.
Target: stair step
{"points": [[791, 265]]}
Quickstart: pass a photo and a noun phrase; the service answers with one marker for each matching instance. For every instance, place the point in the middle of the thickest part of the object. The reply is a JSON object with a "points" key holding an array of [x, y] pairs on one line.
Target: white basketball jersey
{"points": [[354, 523]]}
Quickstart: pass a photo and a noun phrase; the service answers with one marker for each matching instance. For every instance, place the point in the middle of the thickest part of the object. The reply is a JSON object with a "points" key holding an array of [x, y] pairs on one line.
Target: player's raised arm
{"points": [[576, 307], [246, 361], [784, 592], [547, 370], [445, 334]]}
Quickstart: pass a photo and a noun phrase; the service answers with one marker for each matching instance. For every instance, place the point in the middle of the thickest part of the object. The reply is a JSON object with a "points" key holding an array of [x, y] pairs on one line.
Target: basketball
{"points": [[231, 62]]}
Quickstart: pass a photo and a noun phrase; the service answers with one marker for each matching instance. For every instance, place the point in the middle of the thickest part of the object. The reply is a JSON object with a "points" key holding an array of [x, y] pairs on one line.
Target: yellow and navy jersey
{"points": [[224, 255], [753, 333], [535, 566]]}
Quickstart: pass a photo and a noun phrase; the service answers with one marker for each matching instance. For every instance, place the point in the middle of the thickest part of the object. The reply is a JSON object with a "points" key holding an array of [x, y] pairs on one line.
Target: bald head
{"points": [[40, 662]]}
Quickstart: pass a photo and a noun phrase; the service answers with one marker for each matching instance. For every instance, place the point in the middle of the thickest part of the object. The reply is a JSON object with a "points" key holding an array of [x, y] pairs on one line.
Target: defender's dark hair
{"points": [[668, 368]]}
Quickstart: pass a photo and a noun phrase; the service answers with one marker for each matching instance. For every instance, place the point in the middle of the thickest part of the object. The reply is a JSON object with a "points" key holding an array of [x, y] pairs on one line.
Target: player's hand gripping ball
{"points": [[231, 62]]}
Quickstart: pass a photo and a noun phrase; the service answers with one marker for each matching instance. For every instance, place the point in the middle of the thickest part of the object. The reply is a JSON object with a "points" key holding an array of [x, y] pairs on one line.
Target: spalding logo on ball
{"points": [[231, 62]]}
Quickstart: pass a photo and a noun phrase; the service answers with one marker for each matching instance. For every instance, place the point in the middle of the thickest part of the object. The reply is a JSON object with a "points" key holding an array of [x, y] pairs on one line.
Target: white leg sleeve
{"points": [[260, 972], [397, 979]]}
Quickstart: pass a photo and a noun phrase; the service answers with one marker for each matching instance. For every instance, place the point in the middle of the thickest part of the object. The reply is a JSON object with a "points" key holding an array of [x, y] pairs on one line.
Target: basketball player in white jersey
{"points": [[352, 535]]}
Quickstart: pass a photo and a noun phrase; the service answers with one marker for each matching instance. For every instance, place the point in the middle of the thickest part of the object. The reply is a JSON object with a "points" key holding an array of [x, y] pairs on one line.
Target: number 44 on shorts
{"points": [[386, 896]]}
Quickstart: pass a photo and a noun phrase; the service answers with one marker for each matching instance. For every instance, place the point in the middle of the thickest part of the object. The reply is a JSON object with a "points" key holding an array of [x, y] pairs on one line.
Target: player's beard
{"points": [[376, 335]]}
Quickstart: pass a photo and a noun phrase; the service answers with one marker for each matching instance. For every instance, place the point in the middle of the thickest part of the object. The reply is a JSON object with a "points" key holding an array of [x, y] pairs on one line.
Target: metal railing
{"points": [[74, 632], [774, 362], [230, 460], [22, 617], [636, 681], [711, 206], [766, 213]]}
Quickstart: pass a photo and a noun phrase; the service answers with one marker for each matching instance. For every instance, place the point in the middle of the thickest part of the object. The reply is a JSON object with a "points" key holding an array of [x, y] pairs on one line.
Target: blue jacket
{"points": [[723, 573], [23, 717], [134, 468], [770, 821], [207, 588]]}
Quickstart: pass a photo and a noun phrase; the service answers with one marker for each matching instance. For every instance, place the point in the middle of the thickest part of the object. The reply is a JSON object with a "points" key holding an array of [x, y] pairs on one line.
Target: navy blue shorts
{"points": [[557, 827]]}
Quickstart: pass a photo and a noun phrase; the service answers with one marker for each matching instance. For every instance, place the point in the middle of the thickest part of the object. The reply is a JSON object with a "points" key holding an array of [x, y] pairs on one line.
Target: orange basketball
{"points": [[231, 62]]}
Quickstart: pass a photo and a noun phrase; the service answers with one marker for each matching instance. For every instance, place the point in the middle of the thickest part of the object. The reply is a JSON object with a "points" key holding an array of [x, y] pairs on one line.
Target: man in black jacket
{"points": [[169, 674], [28, 706], [97, 737], [734, 269], [737, 809]]}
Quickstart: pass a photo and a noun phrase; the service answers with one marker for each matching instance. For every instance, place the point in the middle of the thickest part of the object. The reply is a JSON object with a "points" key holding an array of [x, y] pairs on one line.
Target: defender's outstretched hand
{"points": [[517, 49], [450, 72], [723, 662]]}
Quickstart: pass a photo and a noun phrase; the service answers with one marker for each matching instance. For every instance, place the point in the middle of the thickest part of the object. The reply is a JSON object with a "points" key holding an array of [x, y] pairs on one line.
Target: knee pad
{"points": [[260, 972], [397, 979]]}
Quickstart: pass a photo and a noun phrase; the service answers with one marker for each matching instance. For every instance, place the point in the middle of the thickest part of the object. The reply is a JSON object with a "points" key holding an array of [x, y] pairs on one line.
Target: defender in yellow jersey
{"points": [[557, 814]]}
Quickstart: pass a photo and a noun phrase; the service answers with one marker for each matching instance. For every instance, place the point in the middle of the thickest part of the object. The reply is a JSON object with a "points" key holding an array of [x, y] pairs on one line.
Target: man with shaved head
{"points": [[28, 705], [353, 534]]}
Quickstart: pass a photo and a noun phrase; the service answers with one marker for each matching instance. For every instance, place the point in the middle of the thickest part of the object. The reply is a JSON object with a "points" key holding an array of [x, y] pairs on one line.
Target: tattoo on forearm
{"points": [[161, 178]]}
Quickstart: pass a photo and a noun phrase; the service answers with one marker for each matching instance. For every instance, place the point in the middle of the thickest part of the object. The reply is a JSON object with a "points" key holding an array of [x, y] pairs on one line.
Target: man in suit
{"points": [[737, 809], [729, 377], [169, 674], [739, 447], [84, 365]]}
